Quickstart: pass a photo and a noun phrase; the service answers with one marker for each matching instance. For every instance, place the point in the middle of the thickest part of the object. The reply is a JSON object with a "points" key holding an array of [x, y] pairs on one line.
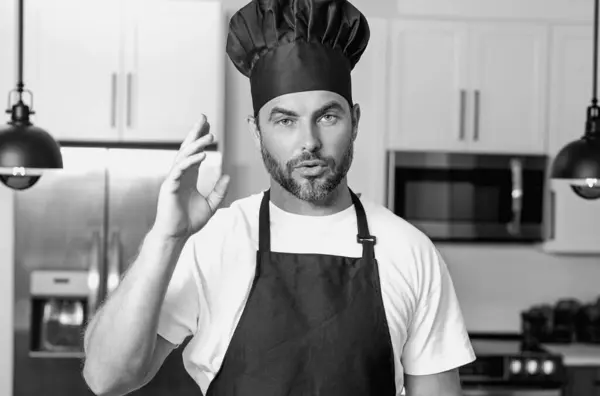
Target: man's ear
{"points": [[355, 120], [254, 130]]}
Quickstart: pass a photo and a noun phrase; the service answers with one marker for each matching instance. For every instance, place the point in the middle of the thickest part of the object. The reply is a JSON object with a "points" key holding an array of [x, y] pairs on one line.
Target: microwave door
{"points": [[467, 197]]}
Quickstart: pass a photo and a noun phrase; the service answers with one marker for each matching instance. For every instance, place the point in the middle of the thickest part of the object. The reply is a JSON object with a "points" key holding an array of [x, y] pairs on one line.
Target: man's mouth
{"points": [[310, 164]]}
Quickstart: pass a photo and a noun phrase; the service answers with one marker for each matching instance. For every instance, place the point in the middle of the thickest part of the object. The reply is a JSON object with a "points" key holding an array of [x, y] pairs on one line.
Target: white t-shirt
{"points": [[212, 279]]}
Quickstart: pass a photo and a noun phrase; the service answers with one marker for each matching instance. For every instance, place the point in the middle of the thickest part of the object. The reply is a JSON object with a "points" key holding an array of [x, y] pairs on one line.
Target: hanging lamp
{"points": [[25, 150], [579, 161]]}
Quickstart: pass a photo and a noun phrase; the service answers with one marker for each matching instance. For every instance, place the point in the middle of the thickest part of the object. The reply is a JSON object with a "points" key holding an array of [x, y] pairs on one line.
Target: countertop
{"points": [[577, 354]]}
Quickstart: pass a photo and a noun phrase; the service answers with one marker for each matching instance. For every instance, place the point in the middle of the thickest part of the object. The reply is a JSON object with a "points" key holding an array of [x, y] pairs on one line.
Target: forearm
{"points": [[120, 339]]}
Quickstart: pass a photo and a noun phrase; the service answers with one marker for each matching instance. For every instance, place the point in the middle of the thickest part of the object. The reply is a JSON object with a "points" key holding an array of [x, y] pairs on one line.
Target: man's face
{"points": [[307, 141]]}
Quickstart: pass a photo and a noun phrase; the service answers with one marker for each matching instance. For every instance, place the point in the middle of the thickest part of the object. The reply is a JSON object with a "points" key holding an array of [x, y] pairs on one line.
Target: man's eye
{"points": [[285, 122], [329, 118]]}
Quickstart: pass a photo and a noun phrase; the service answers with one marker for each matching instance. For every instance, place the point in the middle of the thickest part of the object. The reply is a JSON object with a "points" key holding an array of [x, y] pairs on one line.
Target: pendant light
{"points": [[25, 150], [579, 161]]}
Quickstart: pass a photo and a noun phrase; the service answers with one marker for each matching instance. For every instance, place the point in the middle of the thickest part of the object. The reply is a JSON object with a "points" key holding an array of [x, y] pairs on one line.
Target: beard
{"points": [[311, 189]]}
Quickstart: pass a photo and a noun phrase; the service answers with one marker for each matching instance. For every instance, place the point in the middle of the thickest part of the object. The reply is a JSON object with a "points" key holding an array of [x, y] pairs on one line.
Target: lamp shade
{"points": [[27, 146], [25, 152], [578, 160]]}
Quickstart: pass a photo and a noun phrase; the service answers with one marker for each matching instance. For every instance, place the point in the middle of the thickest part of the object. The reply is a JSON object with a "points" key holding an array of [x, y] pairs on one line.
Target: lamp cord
{"points": [[595, 83], [20, 84]]}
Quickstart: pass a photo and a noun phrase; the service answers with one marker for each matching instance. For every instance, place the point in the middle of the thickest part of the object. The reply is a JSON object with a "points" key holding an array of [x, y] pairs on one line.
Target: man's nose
{"points": [[310, 135]]}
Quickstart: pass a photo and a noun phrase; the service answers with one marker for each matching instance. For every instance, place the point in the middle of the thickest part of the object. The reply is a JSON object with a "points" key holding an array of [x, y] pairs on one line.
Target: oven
{"points": [[469, 196], [510, 367]]}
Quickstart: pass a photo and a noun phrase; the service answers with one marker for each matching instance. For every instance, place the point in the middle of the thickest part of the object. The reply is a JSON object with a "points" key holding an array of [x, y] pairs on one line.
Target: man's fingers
{"points": [[199, 129], [218, 193], [182, 166], [195, 146]]}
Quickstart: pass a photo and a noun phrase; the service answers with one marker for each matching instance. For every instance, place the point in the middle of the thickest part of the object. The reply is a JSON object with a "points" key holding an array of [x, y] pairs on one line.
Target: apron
{"points": [[313, 325]]}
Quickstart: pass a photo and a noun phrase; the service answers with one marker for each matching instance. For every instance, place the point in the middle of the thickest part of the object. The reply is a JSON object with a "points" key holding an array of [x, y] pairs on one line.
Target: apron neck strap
{"points": [[364, 237]]}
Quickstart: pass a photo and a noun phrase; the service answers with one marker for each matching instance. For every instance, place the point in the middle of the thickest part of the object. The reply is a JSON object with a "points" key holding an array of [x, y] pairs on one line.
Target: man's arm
{"points": [[121, 340], [438, 342], [446, 383]]}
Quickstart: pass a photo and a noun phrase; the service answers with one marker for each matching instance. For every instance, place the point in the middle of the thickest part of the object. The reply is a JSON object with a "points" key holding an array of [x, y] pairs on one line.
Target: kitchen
{"points": [[552, 65]]}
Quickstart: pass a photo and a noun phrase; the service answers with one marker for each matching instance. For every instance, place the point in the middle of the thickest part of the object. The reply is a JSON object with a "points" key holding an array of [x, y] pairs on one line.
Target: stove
{"points": [[512, 367]]}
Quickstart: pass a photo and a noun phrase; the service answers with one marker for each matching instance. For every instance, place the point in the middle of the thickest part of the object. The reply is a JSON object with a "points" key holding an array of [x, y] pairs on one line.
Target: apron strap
{"points": [[364, 237], [264, 224]]}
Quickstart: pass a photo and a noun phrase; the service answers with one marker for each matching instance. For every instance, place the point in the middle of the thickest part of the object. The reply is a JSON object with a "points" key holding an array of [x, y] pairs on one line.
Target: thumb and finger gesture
{"points": [[182, 210]]}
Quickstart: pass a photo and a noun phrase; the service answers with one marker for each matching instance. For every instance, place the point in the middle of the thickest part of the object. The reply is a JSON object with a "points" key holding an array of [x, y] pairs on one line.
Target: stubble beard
{"points": [[310, 189]]}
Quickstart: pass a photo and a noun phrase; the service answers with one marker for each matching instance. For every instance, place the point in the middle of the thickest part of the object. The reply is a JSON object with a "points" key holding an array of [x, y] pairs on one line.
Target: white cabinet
{"points": [[509, 71], [571, 84], [468, 86], [369, 84], [428, 85], [8, 47], [574, 222], [125, 70], [571, 10]]}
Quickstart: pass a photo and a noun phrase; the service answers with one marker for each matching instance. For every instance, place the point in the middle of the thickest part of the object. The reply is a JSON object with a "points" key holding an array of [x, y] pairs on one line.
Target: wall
{"points": [[493, 283]]}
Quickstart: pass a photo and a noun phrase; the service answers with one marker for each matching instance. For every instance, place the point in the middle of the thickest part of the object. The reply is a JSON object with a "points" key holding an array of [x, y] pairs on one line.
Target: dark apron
{"points": [[314, 324]]}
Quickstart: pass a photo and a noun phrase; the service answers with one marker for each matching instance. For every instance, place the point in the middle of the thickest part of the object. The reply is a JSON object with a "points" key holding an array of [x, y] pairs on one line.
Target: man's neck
{"points": [[338, 200]]}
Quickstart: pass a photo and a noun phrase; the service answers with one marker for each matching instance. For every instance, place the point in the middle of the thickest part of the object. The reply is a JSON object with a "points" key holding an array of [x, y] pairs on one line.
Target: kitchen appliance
{"points": [[469, 196], [512, 367], [76, 233]]}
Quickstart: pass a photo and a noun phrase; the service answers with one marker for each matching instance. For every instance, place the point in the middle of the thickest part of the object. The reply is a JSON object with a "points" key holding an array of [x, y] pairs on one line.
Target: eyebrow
{"points": [[332, 105]]}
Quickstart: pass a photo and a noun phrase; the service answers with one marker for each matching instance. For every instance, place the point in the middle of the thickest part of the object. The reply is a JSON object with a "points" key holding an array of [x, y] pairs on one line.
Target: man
{"points": [[305, 288]]}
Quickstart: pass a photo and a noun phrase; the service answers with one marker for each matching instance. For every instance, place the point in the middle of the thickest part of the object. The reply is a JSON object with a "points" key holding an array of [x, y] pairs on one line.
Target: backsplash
{"points": [[495, 283]]}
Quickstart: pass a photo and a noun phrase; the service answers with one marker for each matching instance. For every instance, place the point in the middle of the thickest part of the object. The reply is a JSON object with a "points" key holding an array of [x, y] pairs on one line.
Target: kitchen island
{"points": [[577, 354], [582, 362]]}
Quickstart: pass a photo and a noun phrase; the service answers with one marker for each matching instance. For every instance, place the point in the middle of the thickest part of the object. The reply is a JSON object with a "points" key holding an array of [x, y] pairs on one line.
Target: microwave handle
{"points": [[552, 214], [516, 169]]}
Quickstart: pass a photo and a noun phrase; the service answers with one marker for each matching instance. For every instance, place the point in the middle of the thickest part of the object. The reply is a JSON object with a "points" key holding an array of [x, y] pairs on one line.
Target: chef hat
{"points": [[287, 46]]}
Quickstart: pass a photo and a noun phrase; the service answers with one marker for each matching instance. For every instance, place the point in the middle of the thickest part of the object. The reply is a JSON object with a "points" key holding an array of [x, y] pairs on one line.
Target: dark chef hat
{"points": [[287, 46]]}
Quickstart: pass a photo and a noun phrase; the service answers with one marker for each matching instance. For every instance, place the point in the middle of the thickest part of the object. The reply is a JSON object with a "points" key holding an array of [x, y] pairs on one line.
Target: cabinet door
{"points": [[571, 84], [175, 69], [427, 86], [508, 96], [8, 46], [71, 66], [369, 83], [573, 222]]}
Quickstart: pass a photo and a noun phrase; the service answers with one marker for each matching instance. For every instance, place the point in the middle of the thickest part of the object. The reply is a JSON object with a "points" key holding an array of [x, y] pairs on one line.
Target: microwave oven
{"points": [[469, 196]]}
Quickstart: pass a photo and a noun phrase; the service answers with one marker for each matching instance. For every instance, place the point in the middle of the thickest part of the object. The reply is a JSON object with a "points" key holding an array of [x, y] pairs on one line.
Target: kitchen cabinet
{"points": [[582, 381], [550, 10], [8, 46], [574, 221], [571, 83], [136, 71], [468, 86], [367, 173]]}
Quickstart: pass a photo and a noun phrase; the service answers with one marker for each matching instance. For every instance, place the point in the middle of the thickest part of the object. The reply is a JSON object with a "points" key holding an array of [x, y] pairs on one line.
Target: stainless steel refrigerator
{"points": [[76, 231]]}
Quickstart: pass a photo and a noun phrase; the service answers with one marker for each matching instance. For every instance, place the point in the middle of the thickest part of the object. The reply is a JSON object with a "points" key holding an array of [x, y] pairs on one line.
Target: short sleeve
{"points": [[437, 336], [180, 310]]}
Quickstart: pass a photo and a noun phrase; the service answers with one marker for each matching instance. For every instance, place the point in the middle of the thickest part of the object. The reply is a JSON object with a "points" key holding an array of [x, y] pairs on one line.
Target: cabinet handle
{"points": [[516, 166], [552, 214], [476, 123], [113, 104], [129, 98], [463, 99]]}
